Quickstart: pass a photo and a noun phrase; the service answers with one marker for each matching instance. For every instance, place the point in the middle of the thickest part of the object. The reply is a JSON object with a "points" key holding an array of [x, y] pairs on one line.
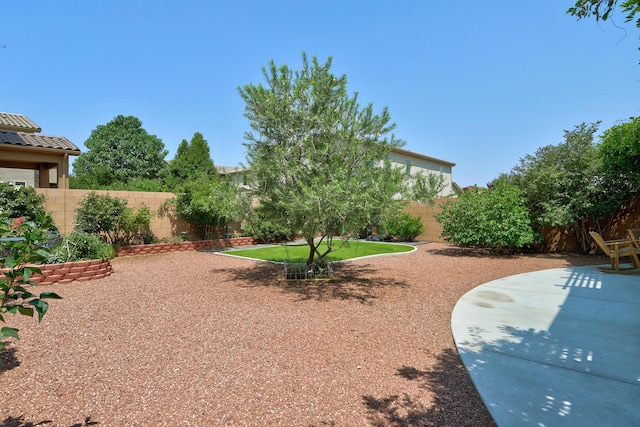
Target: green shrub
{"points": [[404, 227], [495, 218], [209, 202], [79, 246], [261, 228], [20, 201], [110, 217]]}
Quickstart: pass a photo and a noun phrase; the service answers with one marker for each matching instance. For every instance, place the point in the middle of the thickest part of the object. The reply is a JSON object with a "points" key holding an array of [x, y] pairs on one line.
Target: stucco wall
{"points": [[432, 228], [62, 204], [417, 165], [12, 175]]}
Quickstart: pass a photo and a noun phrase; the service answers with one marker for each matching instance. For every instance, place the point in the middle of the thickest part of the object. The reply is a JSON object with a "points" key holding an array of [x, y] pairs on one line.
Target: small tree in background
{"points": [[210, 202], [260, 226], [496, 218], [191, 162]]}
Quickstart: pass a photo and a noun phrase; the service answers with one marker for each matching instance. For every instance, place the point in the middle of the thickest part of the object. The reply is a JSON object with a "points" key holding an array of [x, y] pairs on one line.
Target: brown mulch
{"points": [[200, 339]]}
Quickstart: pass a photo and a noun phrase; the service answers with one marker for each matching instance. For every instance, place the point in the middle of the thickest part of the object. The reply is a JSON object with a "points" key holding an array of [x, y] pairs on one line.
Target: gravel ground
{"points": [[200, 339]]}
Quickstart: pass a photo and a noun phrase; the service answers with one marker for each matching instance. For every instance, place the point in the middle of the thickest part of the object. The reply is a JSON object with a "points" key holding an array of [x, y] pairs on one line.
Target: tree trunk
{"points": [[312, 251]]}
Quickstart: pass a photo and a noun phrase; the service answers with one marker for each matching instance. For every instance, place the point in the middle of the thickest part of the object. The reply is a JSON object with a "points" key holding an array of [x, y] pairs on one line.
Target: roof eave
{"points": [[422, 156]]}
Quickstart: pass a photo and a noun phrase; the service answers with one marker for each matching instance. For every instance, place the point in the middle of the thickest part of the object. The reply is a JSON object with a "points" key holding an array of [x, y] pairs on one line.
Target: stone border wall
{"points": [[70, 271], [96, 269], [198, 245]]}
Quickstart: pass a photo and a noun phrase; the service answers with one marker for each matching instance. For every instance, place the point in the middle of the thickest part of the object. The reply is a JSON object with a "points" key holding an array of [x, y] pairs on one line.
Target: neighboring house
{"points": [[239, 176], [28, 158], [413, 163]]}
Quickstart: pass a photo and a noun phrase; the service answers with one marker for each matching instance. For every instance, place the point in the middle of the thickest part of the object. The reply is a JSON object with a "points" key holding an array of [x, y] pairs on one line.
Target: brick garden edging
{"points": [[197, 245], [69, 271], [98, 268]]}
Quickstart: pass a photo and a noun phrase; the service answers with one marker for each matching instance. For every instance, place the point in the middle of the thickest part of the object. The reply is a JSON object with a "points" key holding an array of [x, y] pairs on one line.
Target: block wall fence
{"points": [[432, 228], [62, 203]]}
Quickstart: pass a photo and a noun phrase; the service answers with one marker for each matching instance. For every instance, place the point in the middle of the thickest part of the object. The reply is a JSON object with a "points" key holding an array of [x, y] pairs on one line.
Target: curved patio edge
{"points": [[554, 347]]}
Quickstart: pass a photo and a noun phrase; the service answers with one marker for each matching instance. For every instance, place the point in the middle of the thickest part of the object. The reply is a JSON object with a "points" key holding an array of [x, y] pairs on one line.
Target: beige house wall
{"points": [[18, 175], [418, 165], [62, 203]]}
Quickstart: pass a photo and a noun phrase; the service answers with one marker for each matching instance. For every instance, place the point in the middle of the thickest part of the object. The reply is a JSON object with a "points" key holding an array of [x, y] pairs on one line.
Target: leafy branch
{"points": [[22, 246]]}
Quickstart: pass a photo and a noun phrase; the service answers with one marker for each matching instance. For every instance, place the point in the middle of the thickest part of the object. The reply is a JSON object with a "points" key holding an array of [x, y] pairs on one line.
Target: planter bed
{"points": [[70, 271], [96, 269]]}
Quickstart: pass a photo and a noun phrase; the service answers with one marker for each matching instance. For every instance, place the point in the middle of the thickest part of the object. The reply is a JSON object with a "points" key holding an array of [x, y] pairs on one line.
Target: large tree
{"points": [[191, 162], [319, 159], [120, 151], [564, 184], [620, 150]]}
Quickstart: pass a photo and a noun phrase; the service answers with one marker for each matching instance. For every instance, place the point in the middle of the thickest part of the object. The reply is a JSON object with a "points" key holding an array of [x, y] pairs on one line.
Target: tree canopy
{"points": [[120, 151], [318, 158], [564, 184], [620, 150], [602, 9], [191, 162]]}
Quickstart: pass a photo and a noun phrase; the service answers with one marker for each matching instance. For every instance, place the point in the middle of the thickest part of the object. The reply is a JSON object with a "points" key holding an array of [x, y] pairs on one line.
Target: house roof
{"points": [[18, 123], [23, 139], [422, 156]]}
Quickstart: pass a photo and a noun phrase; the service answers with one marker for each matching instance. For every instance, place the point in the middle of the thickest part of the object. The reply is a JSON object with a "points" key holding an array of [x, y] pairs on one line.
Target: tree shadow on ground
{"points": [[574, 259], [351, 282], [8, 359], [20, 422], [455, 403]]}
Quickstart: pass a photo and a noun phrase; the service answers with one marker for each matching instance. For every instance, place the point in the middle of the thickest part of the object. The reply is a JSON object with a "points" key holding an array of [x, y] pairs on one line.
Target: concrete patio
{"points": [[554, 347]]}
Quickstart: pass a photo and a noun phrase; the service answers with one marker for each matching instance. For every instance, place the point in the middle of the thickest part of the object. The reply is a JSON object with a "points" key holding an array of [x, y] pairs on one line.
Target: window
{"points": [[407, 166], [19, 183]]}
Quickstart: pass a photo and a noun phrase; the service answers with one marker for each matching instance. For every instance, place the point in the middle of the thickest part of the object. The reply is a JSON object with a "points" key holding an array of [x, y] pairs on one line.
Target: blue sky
{"points": [[480, 84]]}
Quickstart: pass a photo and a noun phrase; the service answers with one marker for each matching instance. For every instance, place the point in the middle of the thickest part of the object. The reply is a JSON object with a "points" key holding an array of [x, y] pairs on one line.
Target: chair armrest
{"points": [[617, 242]]}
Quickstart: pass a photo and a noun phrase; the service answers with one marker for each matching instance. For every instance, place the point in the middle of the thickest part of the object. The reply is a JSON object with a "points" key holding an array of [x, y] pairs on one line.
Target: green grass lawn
{"points": [[300, 252]]}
